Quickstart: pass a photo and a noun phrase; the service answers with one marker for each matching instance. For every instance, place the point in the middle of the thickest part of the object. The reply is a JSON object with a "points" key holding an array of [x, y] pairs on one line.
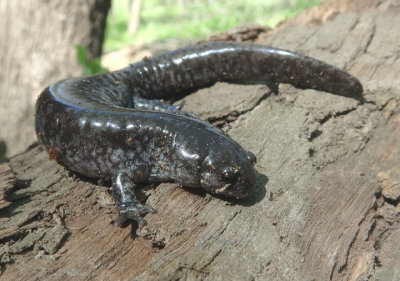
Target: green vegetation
{"points": [[194, 19], [90, 66]]}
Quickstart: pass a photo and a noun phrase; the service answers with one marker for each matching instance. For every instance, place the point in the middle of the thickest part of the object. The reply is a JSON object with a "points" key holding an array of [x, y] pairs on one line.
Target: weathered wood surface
{"points": [[327, 202]]}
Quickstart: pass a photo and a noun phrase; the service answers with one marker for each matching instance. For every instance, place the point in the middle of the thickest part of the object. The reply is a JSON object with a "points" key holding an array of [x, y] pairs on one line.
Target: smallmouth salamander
{"points": [[111, 126]]}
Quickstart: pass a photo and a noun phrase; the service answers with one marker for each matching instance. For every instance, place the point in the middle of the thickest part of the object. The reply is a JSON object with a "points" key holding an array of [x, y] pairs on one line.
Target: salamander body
{"points": [[113, 125]]}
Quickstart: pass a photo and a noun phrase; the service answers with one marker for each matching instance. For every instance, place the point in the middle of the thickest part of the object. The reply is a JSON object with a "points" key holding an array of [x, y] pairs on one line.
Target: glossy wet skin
{"points": [[106, 126], [229, 171]]}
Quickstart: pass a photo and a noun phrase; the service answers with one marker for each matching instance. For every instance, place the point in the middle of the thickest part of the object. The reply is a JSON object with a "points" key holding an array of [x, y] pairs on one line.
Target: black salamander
{"points": [[110, 126]]}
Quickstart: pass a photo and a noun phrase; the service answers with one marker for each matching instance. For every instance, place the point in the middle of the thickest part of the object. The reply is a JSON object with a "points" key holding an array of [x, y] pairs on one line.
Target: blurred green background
{"points": [[161, 20]]}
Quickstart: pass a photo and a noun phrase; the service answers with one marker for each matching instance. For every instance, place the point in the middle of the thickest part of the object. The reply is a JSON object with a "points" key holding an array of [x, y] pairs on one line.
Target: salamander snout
{"points": [[230, 173], [251, 157]]}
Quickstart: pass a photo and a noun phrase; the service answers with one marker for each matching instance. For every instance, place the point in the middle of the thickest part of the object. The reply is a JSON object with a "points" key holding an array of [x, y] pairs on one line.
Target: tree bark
{"points": [[38, 42], [327, 200]]}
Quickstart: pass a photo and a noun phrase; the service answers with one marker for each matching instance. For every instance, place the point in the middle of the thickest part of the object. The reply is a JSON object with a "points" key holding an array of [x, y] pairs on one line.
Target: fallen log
{"points": [[327, 200]]}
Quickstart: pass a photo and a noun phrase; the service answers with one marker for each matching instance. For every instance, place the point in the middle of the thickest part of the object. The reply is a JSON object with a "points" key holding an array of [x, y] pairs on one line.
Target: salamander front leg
{"points": [[128, 207]]}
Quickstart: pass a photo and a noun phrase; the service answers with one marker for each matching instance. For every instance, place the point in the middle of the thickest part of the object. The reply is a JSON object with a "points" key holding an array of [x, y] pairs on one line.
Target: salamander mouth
{"points": [[229, 190], [223, 189]]}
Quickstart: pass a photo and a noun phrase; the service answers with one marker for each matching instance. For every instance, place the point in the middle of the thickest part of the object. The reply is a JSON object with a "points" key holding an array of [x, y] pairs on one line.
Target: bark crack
{"points": [[370, 38], [232, 116]]}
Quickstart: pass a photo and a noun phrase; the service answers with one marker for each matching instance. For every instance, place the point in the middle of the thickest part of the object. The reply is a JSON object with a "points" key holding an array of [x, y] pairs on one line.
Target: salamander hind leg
{"points": [[128, 207], [160, 105], [154, 105]]}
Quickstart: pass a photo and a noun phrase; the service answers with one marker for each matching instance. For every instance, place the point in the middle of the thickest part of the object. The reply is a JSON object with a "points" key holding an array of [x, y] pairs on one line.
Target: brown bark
{"points": [[327, 200], [38, 42]]}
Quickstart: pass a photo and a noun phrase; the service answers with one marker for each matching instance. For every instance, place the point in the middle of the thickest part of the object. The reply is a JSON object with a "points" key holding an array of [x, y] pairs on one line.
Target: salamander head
{"points": [[229, 172]]}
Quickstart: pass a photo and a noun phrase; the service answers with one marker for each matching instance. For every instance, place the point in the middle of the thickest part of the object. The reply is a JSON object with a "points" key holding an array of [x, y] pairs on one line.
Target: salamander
{"points": [[117, 125]]}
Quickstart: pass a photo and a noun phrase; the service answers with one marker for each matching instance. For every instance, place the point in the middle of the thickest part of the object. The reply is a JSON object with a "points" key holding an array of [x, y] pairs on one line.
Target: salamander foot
{"points": [[132, 211], [128, 207]]}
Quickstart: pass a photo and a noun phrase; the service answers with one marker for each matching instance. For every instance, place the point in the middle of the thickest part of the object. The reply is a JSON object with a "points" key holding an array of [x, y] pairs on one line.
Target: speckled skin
{"points": [[105, 126]]}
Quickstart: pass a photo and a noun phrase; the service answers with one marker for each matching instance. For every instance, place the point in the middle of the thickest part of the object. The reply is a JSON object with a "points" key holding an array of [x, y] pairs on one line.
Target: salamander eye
{"points": [[251, 157], [229, 174]]}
